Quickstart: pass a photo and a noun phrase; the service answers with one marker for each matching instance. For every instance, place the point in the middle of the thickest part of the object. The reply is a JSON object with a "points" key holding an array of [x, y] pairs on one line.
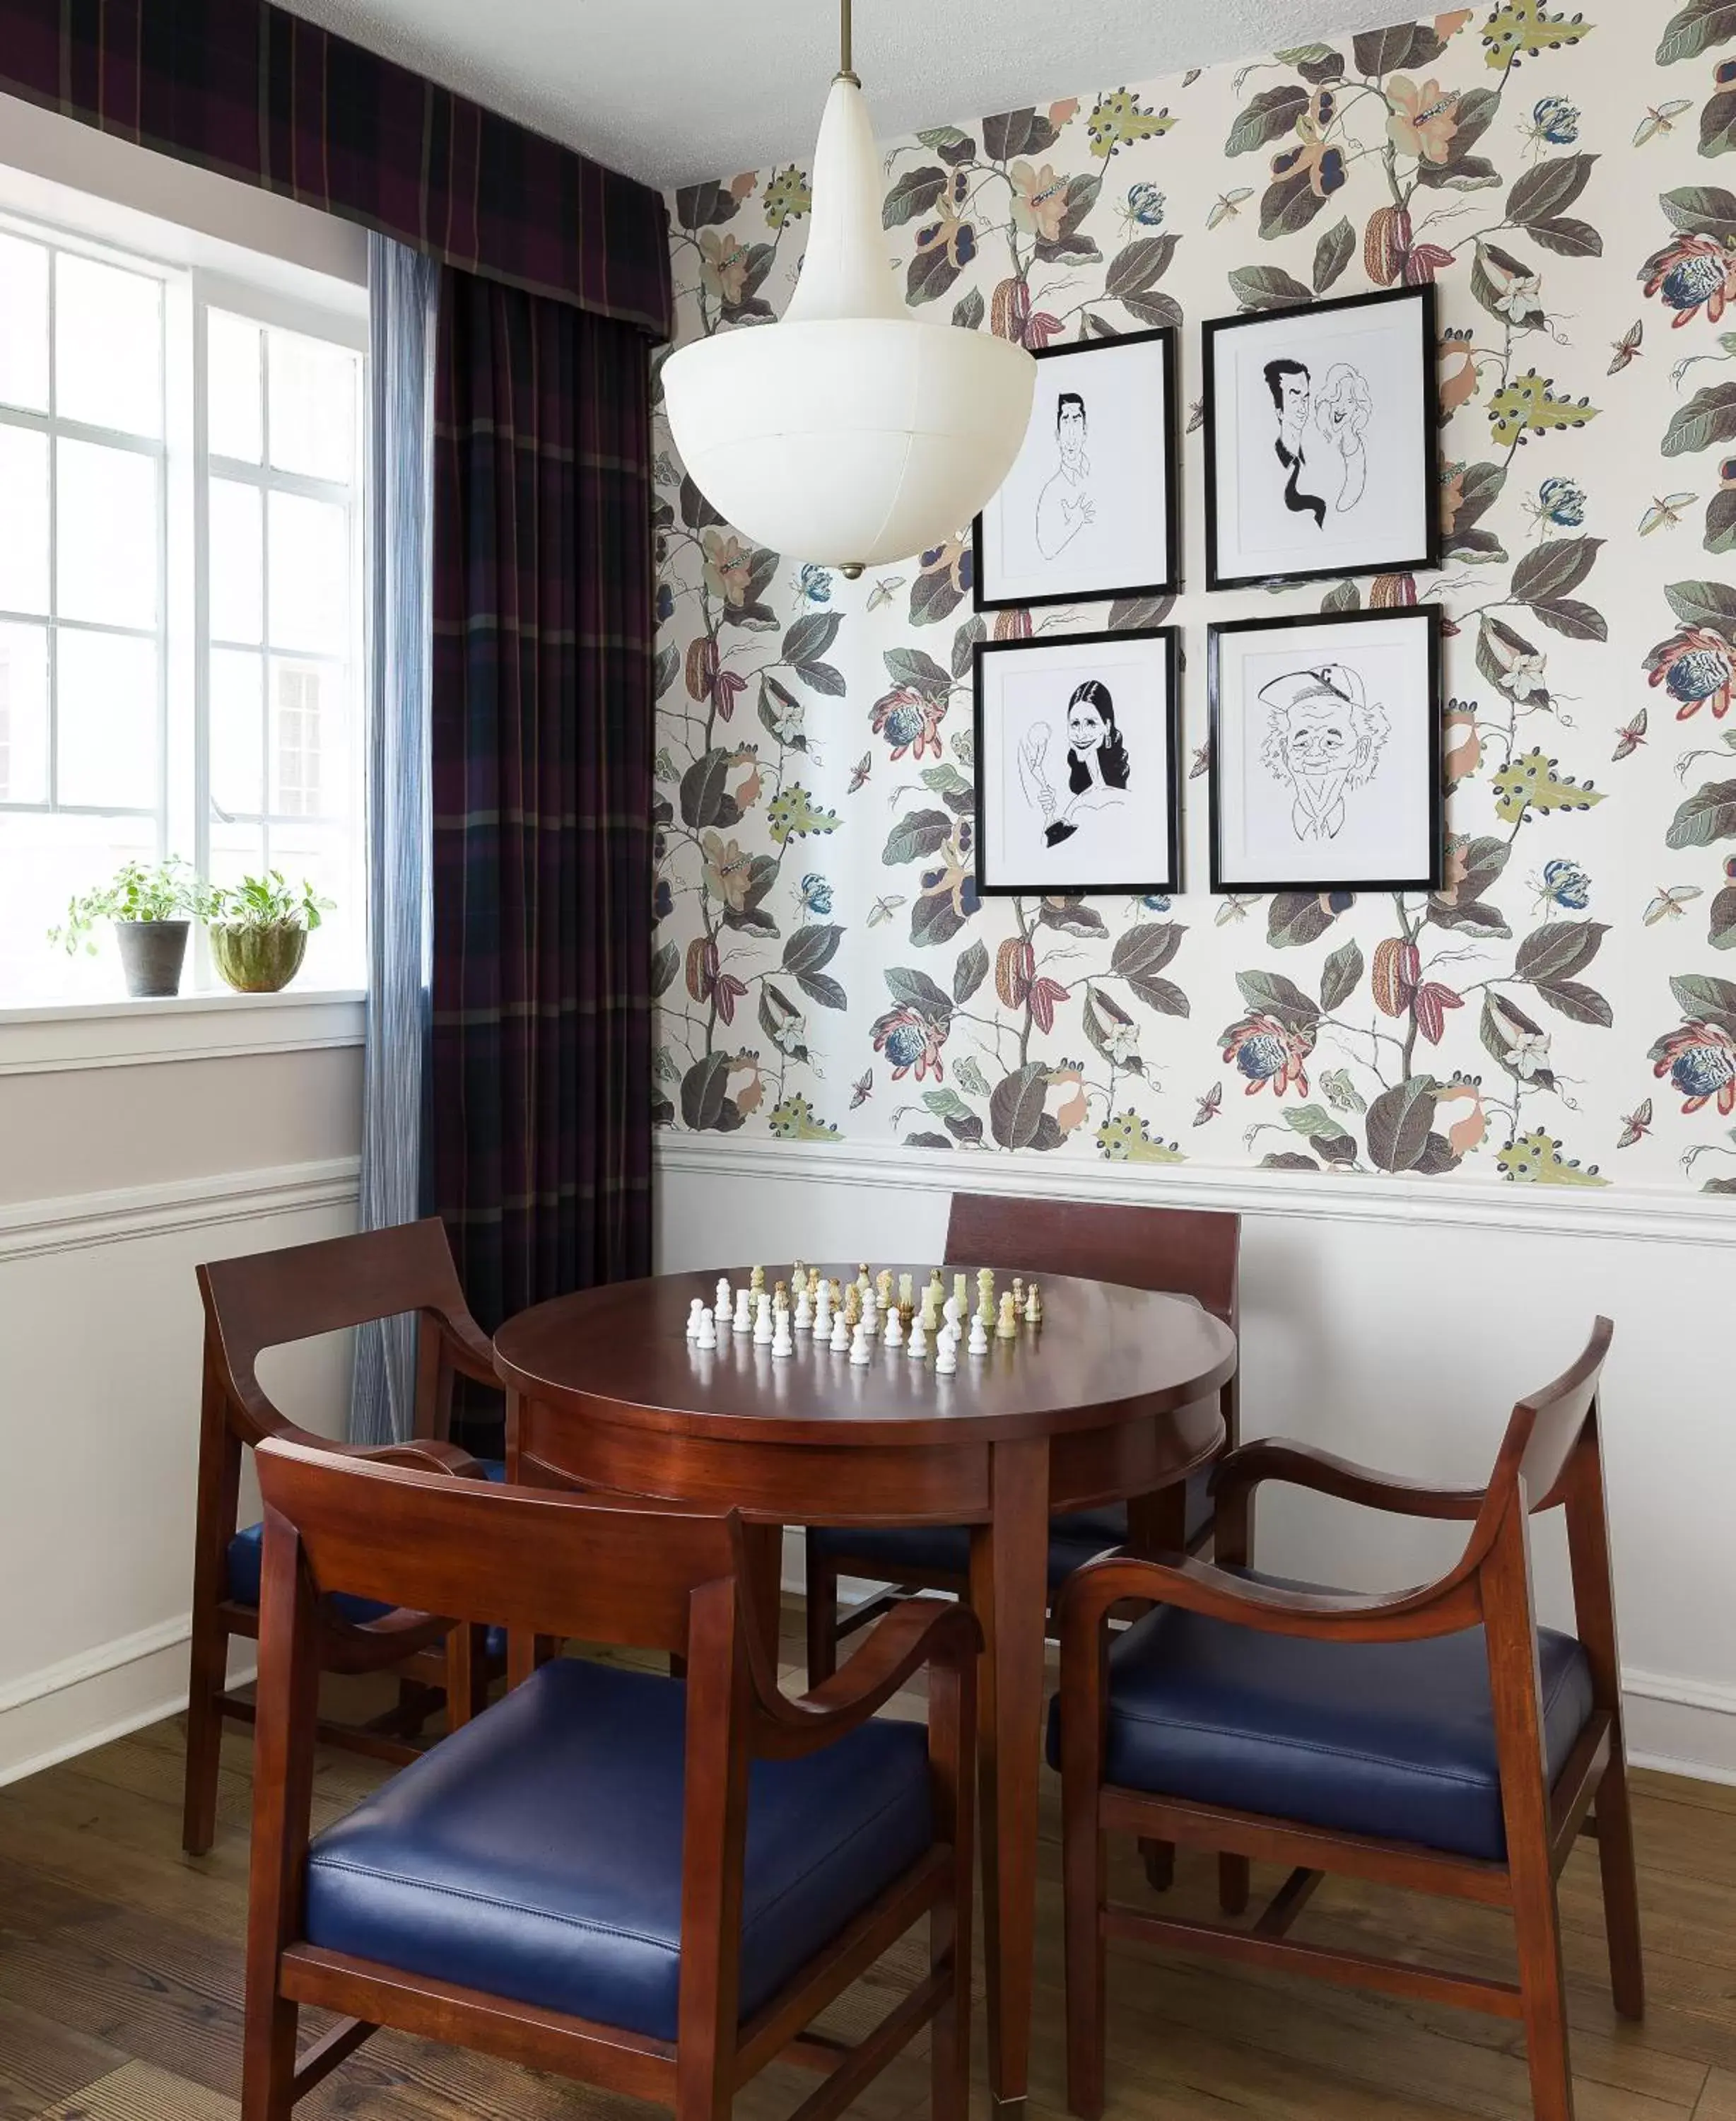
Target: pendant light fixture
{"points": [[851, 432]]}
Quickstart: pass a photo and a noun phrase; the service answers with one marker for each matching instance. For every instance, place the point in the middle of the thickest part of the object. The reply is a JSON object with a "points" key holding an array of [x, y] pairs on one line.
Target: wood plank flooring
{"points": [[120, 1984]]}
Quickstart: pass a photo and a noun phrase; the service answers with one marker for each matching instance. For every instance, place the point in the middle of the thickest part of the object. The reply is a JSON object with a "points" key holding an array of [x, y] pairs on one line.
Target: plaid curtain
{"points": [[256, 94], [543, 743]]}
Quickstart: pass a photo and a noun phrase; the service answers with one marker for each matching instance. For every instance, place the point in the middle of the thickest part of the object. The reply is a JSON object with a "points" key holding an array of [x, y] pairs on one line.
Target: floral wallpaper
{"points": [[1562, 1011]]}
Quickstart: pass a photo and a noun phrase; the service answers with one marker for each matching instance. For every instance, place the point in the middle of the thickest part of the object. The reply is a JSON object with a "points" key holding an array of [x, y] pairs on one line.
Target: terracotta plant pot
{"points": [[152, 955], [258, 960]]}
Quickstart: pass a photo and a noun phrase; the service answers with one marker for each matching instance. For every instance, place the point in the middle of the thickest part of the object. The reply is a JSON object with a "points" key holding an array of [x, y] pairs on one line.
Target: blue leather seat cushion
{"points": [[246, 1558], [536, 1853], [1391, 1739], [906, 1550]]}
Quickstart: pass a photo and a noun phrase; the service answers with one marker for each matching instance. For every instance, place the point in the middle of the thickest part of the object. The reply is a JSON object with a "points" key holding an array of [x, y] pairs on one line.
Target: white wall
{"points": [[99, 1337], [1393, 1329]]}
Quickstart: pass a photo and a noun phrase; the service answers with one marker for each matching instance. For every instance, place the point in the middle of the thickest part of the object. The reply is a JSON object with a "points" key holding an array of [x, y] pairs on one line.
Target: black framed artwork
{"points": [[1077, 742], [1320, 424], [1088, 511], [1326, 752]]}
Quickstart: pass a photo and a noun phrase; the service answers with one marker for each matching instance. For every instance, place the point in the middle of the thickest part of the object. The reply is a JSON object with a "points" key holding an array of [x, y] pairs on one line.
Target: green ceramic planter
{"points": [[258, 960]]}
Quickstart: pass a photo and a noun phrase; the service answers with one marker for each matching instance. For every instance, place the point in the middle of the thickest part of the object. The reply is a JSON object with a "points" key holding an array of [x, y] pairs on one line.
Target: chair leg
{"points": [[268, 2059], [822, 1618], [1621, 1886], [949, 2054], [208, 1673], [1085, 1891], [1537, 1920], [1233, 1884]]}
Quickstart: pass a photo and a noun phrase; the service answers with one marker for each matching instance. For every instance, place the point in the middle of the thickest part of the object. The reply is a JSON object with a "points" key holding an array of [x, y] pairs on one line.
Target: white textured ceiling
{"points": [[673, 91]]}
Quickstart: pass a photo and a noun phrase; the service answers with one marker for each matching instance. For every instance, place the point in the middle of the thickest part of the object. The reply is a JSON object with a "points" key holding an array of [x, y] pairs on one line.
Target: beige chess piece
{"points": [[1006, 1327]]}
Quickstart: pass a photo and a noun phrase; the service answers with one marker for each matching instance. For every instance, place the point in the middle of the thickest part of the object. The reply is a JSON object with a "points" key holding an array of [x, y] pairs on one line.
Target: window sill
{"points": [[62, 1035]]}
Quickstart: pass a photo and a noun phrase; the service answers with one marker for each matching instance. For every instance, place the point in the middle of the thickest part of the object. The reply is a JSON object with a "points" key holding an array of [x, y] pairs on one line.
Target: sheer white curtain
{"points": [[404, 291]]}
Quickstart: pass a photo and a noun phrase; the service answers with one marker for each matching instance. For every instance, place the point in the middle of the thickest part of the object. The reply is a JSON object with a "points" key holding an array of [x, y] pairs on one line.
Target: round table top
{"points": [[1103, 1354]]}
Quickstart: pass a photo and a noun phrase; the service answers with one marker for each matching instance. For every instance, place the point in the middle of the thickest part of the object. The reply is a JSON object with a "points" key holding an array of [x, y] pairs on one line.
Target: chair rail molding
{"points": [[74, 1222], [1352, 1197]]}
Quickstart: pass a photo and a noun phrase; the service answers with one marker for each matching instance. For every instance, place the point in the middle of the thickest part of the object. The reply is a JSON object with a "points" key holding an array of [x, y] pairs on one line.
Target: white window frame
{"points": [[183, 815]]}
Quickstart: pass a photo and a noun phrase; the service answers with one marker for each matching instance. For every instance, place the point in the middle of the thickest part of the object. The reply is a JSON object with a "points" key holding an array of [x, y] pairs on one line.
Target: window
{"points": [[180, 594]]}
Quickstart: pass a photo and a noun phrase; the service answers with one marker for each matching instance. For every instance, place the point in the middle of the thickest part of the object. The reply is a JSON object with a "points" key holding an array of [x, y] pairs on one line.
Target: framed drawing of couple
{"points": [[1320, 426], [1088, 512]]}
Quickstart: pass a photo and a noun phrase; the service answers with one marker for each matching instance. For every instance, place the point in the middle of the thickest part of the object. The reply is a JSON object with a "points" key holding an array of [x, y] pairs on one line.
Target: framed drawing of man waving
{"points": [[1087, 513], [1320, 423]]}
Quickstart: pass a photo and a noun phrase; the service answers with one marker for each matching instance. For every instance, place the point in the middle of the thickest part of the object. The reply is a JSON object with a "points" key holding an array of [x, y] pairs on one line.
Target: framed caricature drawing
{"points": [[1326, 752], [1320, 425], [1088, 511], [1077, 786]]}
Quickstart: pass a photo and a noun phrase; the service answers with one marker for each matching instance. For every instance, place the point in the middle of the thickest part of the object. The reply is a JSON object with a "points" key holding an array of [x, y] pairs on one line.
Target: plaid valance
{"points": [[255, 93]]}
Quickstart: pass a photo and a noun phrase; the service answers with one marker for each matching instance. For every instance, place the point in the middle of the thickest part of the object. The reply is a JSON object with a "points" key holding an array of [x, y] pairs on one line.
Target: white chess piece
{"points": [[823, 1311], [722, 1309], [979, 1336], [783, 1341], [744, 1311], [949, 1311], [894, 1336], [918, 1346], [860, 1349], [870, 1314], [695, 1312], [946, 1352], [803, 1320], [706, 1336], [841, 1339], [762, 1326]]}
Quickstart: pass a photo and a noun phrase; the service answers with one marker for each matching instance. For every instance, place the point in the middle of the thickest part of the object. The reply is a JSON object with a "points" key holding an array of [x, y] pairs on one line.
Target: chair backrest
{"points": [[264, 1299], [1184, 1251], [519, 1557]]}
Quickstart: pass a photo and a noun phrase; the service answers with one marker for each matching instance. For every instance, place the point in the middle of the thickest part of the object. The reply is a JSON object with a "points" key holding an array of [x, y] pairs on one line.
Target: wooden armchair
{"points": [[648, 1883], [262, 1301], [1183, 1252], [1436, 1739]]}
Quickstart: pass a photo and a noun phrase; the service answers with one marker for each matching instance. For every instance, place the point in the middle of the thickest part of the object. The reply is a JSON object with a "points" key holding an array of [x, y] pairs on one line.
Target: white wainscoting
{"points": [[1394, 1323], [99, 1338]]}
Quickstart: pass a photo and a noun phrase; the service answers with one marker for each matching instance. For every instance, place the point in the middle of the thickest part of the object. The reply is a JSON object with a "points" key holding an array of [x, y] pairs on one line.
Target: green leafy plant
{"points": [[270, 901], [164, 891]]}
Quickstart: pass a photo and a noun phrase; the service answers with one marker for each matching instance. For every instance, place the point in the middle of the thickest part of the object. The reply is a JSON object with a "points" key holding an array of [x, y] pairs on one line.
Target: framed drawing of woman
{"points": [[1076, 788]]}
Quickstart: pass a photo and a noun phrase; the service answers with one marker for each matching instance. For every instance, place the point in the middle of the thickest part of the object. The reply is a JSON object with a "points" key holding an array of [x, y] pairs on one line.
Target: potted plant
{"points": [[151, 908], [260, 929]]}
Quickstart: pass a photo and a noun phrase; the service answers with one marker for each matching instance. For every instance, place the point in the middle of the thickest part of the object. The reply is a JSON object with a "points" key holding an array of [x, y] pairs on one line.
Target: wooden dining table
{"points": [[1114, 1397]]}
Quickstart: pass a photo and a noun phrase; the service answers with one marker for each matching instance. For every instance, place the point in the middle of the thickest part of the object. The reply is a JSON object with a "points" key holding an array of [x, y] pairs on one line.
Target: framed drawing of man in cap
{"points": [[1326, 753]]}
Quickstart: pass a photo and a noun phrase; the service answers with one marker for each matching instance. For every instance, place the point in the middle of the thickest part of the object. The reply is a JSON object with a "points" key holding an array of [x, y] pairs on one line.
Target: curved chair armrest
{"points": [[424, 1454], [469, 1347], [1432, 1609], [1272, 1458], [915, 1633]]}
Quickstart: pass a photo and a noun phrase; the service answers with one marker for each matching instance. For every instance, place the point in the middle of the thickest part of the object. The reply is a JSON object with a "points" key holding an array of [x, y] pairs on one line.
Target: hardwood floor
{"points": [[120, 1984]]}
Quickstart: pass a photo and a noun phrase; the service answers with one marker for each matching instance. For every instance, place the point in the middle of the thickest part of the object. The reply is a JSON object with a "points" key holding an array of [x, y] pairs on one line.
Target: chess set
{"points": [[851, 1318]]}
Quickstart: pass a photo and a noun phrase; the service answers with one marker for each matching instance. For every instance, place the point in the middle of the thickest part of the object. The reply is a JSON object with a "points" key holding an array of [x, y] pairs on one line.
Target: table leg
{"points": [[1009, 1563]]}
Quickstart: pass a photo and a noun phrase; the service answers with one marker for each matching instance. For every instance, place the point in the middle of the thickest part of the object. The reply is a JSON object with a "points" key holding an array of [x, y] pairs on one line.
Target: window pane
{"points": [[310, 574], [312, 391], [237, 562], [108, 347], [237, 732], [234, 407], [24, 324], [107, 720], [306, 742], [107, 535], [45, 860], [24, 520], [236, 850], [23, 714]]}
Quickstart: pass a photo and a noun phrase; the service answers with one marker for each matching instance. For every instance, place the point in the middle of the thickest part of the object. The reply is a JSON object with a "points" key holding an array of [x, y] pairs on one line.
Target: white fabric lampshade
{"points": [[852, 432]]}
